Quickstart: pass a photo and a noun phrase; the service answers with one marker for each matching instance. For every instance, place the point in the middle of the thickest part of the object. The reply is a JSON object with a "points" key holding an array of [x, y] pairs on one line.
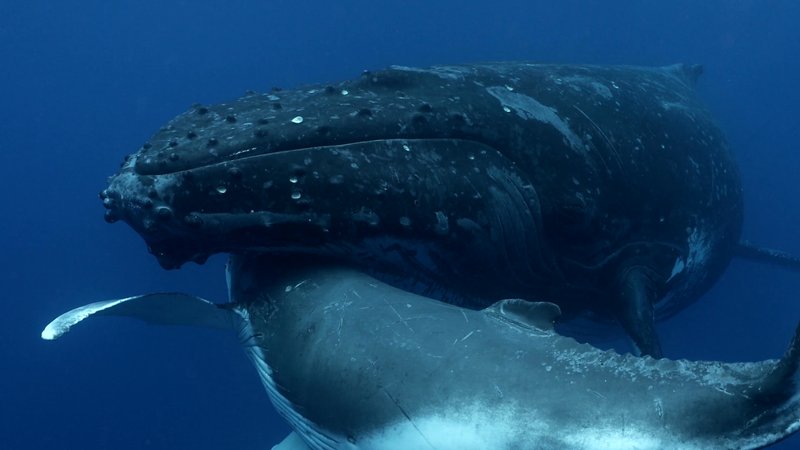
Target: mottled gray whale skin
{"points": [[607, 189], [353, 363]]}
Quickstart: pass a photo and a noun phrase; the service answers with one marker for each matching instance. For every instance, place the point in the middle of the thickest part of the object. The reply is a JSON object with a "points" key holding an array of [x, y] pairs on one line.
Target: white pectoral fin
{"points": [[159, 309]]}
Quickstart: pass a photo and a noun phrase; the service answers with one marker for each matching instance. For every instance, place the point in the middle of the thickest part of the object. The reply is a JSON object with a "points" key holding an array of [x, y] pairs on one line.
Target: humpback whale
{"points": [[607, 189], [353, 363]]}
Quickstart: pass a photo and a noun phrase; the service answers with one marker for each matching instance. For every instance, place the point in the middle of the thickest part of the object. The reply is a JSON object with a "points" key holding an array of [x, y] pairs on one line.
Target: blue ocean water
{"points": [[84, 83]]}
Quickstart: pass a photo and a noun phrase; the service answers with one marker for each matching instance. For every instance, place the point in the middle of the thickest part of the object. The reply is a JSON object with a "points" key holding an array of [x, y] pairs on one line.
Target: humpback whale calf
{"points": [[608, 189], [353, 363]]}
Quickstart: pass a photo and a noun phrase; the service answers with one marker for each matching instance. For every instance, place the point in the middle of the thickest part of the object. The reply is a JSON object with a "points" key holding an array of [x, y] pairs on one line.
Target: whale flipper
{"points": [[168, 308], [748, 250]]}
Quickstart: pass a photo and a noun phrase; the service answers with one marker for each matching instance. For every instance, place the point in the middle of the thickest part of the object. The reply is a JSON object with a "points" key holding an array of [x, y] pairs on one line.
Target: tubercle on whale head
{"points": [[253, 126], [376, 202], [277, 121]]}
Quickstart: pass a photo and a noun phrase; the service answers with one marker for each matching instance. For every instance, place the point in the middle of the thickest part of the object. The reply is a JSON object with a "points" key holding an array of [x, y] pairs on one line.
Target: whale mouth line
{"points": [[255, 152], [151, 165], [258, 199]]}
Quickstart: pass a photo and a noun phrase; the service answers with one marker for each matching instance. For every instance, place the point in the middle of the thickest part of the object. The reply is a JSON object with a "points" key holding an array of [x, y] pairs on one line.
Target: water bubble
{"points": [[296, 195], [406, 148], [345, 92], [405, 221], [298, 119], [292, 180], [222, 189], [506, 109]]}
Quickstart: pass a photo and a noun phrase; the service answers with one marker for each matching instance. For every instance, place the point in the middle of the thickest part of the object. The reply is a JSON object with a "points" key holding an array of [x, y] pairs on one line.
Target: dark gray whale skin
{"points": [[607, 189], [353, 363]]}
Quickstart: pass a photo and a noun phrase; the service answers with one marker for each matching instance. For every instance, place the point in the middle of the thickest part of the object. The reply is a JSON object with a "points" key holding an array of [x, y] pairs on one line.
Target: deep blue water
{"points": [[84, 83]]}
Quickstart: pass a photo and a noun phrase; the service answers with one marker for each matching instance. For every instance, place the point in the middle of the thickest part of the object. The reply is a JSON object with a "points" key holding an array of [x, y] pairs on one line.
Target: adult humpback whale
{"points": [[606, 189], [352, 363]]}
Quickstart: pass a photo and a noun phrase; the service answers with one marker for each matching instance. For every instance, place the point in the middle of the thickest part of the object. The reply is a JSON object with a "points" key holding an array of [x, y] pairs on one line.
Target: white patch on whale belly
{"points": [[528, 108], [481, 427], [475, 428], [612, 439]]}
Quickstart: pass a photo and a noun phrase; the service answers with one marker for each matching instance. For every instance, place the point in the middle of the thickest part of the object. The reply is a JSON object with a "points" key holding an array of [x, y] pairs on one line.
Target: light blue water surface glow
{"points": [[84, 83]]}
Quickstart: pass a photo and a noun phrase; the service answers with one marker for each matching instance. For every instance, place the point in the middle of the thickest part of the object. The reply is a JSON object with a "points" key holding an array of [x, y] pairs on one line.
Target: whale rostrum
{"points": [[353, 363]]}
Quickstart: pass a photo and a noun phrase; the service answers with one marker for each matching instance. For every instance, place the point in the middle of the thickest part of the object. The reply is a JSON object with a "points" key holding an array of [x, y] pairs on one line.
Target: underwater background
{"points": [[83, 83]]}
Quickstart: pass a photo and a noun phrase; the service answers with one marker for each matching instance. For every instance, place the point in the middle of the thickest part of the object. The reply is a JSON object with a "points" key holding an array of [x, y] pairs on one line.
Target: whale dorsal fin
{"points": [[541, 315], [169, 308]]}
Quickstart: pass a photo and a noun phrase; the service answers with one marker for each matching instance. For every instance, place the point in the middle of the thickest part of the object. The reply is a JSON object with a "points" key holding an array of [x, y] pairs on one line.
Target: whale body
{"points": [[353, 363], [608, 189]]}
